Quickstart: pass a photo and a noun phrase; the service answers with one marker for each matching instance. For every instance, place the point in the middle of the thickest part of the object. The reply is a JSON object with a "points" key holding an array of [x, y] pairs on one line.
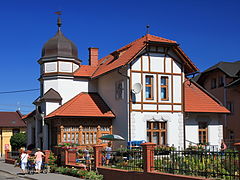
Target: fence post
{"points": [[6, 153], [148, 156], [97, 155], [65, 156], [47, 154]]}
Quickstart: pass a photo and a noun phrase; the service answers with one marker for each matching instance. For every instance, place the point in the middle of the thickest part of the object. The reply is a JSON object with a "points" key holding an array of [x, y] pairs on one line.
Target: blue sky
{"points": [[207, 30]]}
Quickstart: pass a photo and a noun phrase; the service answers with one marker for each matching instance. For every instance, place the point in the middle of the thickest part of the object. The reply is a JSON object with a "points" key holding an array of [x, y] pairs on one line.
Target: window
{"points": [[203, 132], [213, 83], [164, 88], [230, 107], [157, 133], [119, 88], [149, 87], [15, 131], [220, 81], [84, 135]]}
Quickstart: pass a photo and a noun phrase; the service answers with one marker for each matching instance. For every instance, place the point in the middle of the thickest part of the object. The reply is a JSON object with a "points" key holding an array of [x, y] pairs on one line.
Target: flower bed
{"points": [[91, 175]]}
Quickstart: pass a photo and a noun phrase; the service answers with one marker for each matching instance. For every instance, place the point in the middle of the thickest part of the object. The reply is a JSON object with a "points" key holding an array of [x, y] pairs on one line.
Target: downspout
{"points": [[225, 104], [183, 109], [129, 100]]}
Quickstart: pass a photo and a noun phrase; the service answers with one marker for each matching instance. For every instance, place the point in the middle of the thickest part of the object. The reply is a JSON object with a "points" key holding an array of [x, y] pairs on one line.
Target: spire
{"points": [[148, 27], [147, 32], [59, 21]]}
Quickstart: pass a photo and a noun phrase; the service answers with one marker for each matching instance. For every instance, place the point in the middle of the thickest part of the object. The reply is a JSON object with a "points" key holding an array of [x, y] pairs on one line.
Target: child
{"points": [[108, 152], [24, 159]]}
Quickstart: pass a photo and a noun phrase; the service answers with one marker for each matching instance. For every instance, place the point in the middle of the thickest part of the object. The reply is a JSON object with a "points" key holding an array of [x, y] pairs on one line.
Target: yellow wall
{"points": [[5, 138]]}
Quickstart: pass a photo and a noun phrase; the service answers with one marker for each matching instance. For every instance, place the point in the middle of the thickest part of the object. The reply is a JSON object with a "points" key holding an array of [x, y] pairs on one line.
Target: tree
{"points": [[18, 140]]}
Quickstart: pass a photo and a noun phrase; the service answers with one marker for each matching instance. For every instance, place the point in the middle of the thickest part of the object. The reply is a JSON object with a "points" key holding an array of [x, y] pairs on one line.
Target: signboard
{"points": [[6, 146]]}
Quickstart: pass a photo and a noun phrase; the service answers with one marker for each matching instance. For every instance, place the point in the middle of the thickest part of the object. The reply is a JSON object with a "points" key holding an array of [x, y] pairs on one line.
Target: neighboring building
{"points": [[136, 91], [10, 124], [223, 80]]}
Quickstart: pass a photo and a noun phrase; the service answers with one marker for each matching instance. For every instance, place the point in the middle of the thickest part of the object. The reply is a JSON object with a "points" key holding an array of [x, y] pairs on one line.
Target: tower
{"points": [[58, 62]]}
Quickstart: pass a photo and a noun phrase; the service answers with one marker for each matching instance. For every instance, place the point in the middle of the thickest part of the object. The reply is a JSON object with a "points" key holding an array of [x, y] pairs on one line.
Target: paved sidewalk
{"points": [[16, 171]]}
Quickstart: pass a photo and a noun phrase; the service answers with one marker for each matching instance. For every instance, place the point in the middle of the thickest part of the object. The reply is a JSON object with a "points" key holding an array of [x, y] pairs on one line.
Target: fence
{"points": [[203, 163], [13, 154], [124, 159], [224, 165]]}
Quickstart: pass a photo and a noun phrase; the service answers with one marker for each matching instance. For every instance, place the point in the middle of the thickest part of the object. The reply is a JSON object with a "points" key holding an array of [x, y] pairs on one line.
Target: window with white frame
{"points": [[119, 88]]}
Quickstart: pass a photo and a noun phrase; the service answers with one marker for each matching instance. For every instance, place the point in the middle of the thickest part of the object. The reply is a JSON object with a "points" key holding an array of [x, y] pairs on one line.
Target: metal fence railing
{"points": [[13, 154], [209, 164], [127, 159]]}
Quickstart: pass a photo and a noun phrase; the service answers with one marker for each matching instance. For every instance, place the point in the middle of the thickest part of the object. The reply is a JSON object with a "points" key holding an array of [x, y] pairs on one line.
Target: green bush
{"points": [[91, 175], [18, 140]]}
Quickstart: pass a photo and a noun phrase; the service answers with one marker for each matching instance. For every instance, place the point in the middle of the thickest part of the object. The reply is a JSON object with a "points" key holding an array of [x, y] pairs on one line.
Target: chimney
{"points": [[93, 56]]}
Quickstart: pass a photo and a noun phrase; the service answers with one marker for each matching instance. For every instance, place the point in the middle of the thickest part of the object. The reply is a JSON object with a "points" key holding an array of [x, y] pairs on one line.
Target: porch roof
{"points": [[198, 99], [84, 105]]}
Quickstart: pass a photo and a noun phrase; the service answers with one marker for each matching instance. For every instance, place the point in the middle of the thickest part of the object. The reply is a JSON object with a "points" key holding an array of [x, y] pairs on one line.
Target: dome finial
{"points": [[59, 21]]}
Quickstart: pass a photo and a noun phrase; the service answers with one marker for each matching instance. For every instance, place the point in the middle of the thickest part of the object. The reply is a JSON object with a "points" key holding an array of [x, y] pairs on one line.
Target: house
{"points": [[222, 80], [10, 124], [137, 91]]}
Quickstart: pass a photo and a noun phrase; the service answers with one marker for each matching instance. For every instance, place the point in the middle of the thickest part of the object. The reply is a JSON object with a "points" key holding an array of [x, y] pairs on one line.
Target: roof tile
{"points": [[11, 119], [125, 55], [84, 105], [198, 100]]}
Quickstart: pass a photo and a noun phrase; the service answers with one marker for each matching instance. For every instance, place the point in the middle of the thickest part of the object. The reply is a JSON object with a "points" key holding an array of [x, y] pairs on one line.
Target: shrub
{"points": [[91, 175], [52, 160], [82, 173], [18, 140]]}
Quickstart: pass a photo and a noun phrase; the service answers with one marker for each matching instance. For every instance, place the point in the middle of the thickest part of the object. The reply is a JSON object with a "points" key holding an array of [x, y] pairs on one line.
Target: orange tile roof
{"points": [[199, 100], [127, 53], [84, 105], [85, 71], [31, 114]]}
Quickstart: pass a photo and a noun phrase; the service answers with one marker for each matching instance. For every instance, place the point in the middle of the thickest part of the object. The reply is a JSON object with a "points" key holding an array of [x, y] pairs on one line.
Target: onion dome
{"points": [[59, 45]]}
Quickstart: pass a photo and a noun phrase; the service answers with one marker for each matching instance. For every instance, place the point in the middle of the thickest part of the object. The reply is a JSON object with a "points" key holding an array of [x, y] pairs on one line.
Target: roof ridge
{"points": [[158, 37]]}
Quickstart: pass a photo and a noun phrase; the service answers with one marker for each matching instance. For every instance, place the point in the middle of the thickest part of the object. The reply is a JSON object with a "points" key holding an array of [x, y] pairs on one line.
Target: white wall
{"points": [[106, 89], [51, 106], [174, 126], [215, 129], [66, 87]]}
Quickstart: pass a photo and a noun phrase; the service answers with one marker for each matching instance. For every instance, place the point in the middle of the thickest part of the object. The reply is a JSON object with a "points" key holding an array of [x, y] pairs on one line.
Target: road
{"points": [[4, 176], [8, 171]]}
